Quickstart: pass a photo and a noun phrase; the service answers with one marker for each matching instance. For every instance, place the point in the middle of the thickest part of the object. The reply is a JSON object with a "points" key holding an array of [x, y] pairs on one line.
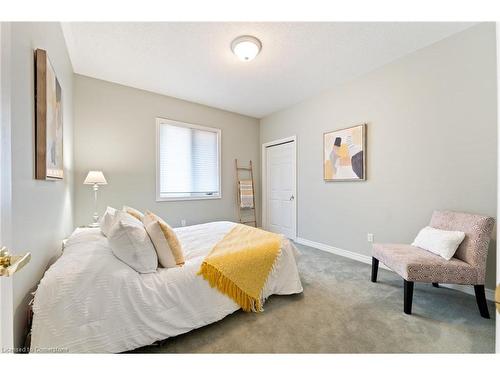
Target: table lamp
{"points": [[95, 178]]}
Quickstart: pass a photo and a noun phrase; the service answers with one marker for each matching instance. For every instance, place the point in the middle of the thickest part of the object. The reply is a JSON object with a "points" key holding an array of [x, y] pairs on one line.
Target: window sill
{"points": [[173, 199]]}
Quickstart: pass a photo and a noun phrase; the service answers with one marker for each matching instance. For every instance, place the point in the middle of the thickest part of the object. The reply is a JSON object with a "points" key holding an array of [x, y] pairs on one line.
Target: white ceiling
{"points": [[193, 61]]}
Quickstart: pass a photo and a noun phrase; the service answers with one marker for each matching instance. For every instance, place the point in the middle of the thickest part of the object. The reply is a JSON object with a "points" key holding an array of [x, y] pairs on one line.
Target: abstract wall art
{"points": [[344, 154], [48, 120]]}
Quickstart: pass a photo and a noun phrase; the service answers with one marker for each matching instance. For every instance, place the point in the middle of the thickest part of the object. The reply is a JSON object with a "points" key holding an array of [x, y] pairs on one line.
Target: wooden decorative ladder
{"points": [[245, 213]]}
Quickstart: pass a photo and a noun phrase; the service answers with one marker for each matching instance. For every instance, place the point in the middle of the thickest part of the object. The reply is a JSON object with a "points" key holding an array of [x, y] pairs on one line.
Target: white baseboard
{"points": [[490, 293]]}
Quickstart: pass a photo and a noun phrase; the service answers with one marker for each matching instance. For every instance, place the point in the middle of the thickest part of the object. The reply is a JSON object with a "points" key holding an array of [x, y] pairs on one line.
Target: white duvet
{"points": [[90, 301]]}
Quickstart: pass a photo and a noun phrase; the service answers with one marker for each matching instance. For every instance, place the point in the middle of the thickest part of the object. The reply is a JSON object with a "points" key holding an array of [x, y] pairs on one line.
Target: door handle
{"points": [[10, 264], [292, 198], [497, 298]]}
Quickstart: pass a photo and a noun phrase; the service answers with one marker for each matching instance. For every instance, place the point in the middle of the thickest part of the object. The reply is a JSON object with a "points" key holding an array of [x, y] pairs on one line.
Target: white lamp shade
{"points": [[95, 177]]}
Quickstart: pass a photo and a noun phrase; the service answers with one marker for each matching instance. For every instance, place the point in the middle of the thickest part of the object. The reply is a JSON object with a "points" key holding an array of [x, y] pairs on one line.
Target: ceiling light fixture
{"points": [[246, 47]]}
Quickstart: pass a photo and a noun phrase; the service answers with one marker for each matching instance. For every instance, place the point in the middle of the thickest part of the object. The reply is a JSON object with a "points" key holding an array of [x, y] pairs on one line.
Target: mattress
{"points": [[90, 301]]}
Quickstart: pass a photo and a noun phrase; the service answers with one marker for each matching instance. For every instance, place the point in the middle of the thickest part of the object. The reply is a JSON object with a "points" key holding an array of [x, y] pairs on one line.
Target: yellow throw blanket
{"points": [[240, 264]]}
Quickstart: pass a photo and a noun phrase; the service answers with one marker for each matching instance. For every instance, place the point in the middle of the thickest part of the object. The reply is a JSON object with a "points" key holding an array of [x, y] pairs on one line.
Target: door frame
{"points": [[6, 287], [276, 142], [1, 238], [497, 312]]}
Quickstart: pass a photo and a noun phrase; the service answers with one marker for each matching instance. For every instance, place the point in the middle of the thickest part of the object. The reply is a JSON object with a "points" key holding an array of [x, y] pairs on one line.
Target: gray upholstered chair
{"points": [[468, 265]]}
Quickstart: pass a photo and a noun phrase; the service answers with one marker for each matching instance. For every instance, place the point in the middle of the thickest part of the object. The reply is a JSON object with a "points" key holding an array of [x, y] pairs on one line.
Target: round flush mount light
{"points": [[246, 47]]}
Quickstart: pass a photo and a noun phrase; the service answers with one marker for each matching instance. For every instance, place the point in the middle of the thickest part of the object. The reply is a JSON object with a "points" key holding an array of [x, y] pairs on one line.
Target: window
{"points": [[188, 161]]}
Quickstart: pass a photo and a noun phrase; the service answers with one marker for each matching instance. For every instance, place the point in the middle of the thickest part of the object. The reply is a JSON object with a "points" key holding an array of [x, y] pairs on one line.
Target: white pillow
{"points": [[131, 244], [440, 242], [107, 220]]}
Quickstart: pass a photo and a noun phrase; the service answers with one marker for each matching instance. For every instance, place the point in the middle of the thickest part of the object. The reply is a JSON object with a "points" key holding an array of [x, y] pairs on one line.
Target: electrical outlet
{"points": [[183, 222], [369, 237]]}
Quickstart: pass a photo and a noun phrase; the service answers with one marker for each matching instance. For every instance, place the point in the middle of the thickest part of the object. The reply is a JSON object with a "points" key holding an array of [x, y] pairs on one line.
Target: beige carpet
{"points": [[341, 311]]}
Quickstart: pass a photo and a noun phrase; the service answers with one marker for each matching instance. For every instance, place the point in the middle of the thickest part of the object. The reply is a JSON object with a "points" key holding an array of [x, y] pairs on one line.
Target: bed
{"points": [[90, 301]]}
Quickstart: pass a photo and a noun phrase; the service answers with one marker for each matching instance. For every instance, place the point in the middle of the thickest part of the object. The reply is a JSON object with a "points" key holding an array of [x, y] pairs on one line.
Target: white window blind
{"points": [[188, 165]]}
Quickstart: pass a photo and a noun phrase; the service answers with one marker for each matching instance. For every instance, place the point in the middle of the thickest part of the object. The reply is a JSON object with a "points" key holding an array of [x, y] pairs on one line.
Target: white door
{"points": [[280, 189], [1, 285], [2, 302]]}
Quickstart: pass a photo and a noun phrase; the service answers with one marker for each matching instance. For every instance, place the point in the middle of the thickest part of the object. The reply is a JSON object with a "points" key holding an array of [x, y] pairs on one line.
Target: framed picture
{"points": [[48, 120], [344, 154]]}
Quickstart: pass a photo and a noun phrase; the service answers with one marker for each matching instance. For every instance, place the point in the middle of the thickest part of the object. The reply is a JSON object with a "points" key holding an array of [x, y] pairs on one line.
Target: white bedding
{"points": [[90, 301]]}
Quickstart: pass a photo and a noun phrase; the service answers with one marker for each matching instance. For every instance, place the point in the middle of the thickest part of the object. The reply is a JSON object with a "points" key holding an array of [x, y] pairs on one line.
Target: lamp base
{"points": [[95, 224]]}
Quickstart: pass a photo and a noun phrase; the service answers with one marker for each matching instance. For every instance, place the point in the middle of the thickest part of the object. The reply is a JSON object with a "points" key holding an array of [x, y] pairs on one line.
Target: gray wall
{"points": [[432, 144], [42, 211], [115, 132]]}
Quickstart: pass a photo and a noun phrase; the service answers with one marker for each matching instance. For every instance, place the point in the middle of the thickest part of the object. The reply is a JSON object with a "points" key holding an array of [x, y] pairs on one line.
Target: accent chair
{"points": [[467, 267]]}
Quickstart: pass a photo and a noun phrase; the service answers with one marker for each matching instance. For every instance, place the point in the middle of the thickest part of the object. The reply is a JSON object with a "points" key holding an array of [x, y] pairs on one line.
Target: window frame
{"points": [[164, 121]]}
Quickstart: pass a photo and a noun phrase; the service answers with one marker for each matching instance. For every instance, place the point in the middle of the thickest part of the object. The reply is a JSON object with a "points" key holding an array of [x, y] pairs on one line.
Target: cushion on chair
{"points": [[438, 241], [415, 264]]}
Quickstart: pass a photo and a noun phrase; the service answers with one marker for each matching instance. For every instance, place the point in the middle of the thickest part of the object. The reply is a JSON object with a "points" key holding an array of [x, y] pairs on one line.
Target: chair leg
{"points": [[481, 301], [408, 286], [435, 285], [374, 269]]}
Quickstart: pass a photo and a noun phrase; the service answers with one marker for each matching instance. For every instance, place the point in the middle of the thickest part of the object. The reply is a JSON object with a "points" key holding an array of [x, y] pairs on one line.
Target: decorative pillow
{"points": [[107, 220], [165, 241], [135, 213], [440, 242], [131, 244]]}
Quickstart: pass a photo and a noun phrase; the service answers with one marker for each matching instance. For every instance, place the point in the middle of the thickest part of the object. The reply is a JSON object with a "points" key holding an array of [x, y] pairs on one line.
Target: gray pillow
{"points": [[131, 244]]}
